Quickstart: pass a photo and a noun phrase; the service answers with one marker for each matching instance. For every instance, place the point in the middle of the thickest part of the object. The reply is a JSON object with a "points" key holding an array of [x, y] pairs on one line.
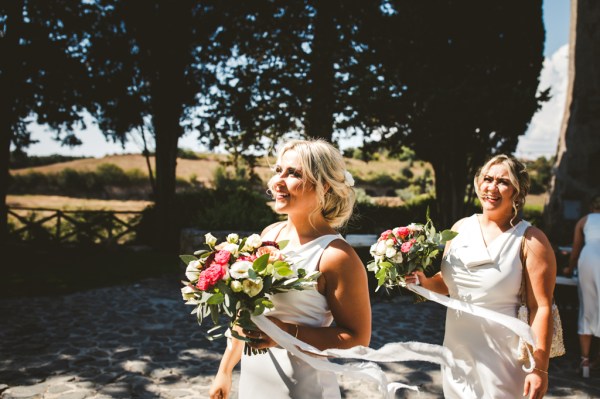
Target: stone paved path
{"points": [[139, 341]]}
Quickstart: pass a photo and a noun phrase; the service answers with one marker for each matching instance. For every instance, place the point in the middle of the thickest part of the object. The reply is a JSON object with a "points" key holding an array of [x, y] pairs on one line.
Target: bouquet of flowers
{"points": [[402, 250], [236, 279]]}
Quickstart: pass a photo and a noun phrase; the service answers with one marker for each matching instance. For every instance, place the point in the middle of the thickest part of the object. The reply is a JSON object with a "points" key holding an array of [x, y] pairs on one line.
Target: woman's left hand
{"points": [[260, 340], [536, 385]]}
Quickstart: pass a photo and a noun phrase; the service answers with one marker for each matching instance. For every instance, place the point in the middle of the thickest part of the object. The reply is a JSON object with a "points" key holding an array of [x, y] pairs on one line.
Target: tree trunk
{"points": [[451, 178], [576, 177], [319, 116], [9, 46]]}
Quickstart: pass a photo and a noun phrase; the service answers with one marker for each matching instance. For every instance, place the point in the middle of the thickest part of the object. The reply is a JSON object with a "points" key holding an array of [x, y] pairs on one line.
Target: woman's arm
{"points": [[540, 279], [436, 282], [343, 282], [221, 385], [578, 241]]}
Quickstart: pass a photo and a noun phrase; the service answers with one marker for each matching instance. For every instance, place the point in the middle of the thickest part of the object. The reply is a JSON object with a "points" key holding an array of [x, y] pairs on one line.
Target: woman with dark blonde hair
{"points": [[585, 255], [484, 265], [312, 187]]}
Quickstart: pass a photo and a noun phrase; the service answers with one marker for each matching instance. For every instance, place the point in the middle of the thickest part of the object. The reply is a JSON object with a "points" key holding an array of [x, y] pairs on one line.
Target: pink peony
{"points": [[249, 258], [405, 247], [222, 257], [274, 254], [403, 232], [209, 277]]}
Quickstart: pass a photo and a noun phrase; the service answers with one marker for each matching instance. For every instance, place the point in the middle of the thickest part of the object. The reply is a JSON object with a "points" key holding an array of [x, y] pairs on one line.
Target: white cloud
{"points": [[541, 138]]}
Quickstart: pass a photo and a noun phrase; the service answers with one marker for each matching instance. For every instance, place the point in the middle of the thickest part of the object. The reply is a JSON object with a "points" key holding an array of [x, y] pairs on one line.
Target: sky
{"points": [[540, 139]]}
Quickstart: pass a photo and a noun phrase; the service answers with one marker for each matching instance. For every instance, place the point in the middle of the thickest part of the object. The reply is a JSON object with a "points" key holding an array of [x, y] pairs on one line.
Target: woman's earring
{"points": [[269, 192]]}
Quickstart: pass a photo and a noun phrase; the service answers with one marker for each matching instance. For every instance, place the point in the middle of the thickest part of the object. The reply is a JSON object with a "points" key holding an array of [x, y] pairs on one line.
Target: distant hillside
{"points": [[204, 168]]}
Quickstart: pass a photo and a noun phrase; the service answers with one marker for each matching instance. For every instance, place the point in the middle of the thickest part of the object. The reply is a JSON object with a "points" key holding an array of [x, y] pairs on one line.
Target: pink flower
{"points": [[274, 254], [385, 235], [405, 247], [222, 257], [403, 232], [249, 258], [209, 277]]}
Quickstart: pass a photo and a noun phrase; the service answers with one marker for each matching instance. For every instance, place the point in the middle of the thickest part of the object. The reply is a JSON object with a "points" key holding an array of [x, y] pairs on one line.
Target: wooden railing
{"points": [[61, 226]]}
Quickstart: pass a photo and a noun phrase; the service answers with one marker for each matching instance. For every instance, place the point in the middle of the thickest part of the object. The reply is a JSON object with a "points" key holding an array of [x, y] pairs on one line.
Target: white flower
{"points": [[413, 227], [348, 179], [236, 286], [229, 247], [390, 252], [210, 239], [252, 286], [372, 250], [240, 269], [192, 271], [233, 238], [390, 242], [254, 241], [380, 249], [187, 292], [397, 258]]}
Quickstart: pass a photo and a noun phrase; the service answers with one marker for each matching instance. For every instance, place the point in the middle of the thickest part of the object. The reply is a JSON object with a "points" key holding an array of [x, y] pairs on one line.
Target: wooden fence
{"points": [[62, 226]]}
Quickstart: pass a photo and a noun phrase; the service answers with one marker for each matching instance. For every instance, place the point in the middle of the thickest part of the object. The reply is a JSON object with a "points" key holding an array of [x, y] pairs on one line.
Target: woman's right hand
{"points": [[416, 277], [221, 386]]}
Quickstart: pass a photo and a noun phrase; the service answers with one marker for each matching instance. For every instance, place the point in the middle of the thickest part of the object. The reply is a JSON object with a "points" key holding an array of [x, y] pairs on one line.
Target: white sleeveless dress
{"points": [[491, 278], [589, 278], [277, 373]]}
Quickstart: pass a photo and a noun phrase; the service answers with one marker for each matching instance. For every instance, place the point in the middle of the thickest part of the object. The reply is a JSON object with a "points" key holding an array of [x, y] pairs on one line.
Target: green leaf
{"points": [[214, 313], [282, 244], [216, 299], [187, 258], [448, 235], [261, 263], [284, 271]]}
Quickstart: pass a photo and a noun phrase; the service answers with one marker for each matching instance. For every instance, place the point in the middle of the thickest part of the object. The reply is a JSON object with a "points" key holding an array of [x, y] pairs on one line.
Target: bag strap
{"points": [[523, 290]]}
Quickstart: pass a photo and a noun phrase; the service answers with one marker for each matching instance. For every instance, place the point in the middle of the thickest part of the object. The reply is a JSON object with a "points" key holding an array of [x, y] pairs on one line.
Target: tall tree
{"points": [[576, 179], [147, 61], [456, 82], [41, 77]]}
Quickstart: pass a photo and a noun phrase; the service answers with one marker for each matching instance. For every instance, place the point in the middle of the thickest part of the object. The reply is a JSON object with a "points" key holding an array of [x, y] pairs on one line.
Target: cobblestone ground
{"points": [[139, 341]]}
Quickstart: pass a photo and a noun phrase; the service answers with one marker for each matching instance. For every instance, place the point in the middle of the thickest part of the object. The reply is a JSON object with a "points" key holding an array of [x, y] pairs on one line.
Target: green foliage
{"points": [[21, 160], [372, 219], [185, 153], [107, 181], [234, 209], [540, 173]]}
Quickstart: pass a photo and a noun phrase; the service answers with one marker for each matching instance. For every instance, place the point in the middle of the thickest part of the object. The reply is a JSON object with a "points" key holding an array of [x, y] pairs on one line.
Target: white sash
{"points": [[523, 330], [368, 371]]}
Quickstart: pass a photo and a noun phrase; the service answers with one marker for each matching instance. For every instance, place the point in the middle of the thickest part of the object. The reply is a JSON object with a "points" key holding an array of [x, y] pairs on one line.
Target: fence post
{"points": [[58, 223]]}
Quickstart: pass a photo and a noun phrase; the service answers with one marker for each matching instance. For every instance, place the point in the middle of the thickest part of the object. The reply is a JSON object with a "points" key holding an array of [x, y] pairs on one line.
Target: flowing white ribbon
{"points": [[523, 330], [368, 371]]}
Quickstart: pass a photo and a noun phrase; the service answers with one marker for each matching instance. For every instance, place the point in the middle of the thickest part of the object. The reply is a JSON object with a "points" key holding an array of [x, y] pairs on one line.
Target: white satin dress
{"points": [[489, 276], [588, 267], [277, 373]]}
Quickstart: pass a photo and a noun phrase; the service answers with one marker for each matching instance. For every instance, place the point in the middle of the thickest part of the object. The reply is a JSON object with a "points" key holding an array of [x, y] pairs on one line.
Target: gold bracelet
{"points": [[540, 370], [297, 328]]}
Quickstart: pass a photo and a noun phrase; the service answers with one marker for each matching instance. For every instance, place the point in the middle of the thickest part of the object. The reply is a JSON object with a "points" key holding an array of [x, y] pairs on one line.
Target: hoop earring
{"points": [[269, 192]]}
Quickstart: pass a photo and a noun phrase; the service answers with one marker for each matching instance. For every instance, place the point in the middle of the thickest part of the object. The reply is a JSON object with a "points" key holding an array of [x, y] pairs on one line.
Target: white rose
{"points": [[413, 227], [233, 249], [380, 249], [236, 286], [252, 287], [240, 269], [254, 241], [372, 250], [210, 239], [192, 271], [233, 238], [390, 242], [390, 252]]}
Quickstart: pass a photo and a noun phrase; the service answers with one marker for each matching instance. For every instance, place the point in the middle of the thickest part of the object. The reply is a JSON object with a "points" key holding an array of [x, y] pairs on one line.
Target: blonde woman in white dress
{"points": [[482, 266], [585, 255], [312, 187]]}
